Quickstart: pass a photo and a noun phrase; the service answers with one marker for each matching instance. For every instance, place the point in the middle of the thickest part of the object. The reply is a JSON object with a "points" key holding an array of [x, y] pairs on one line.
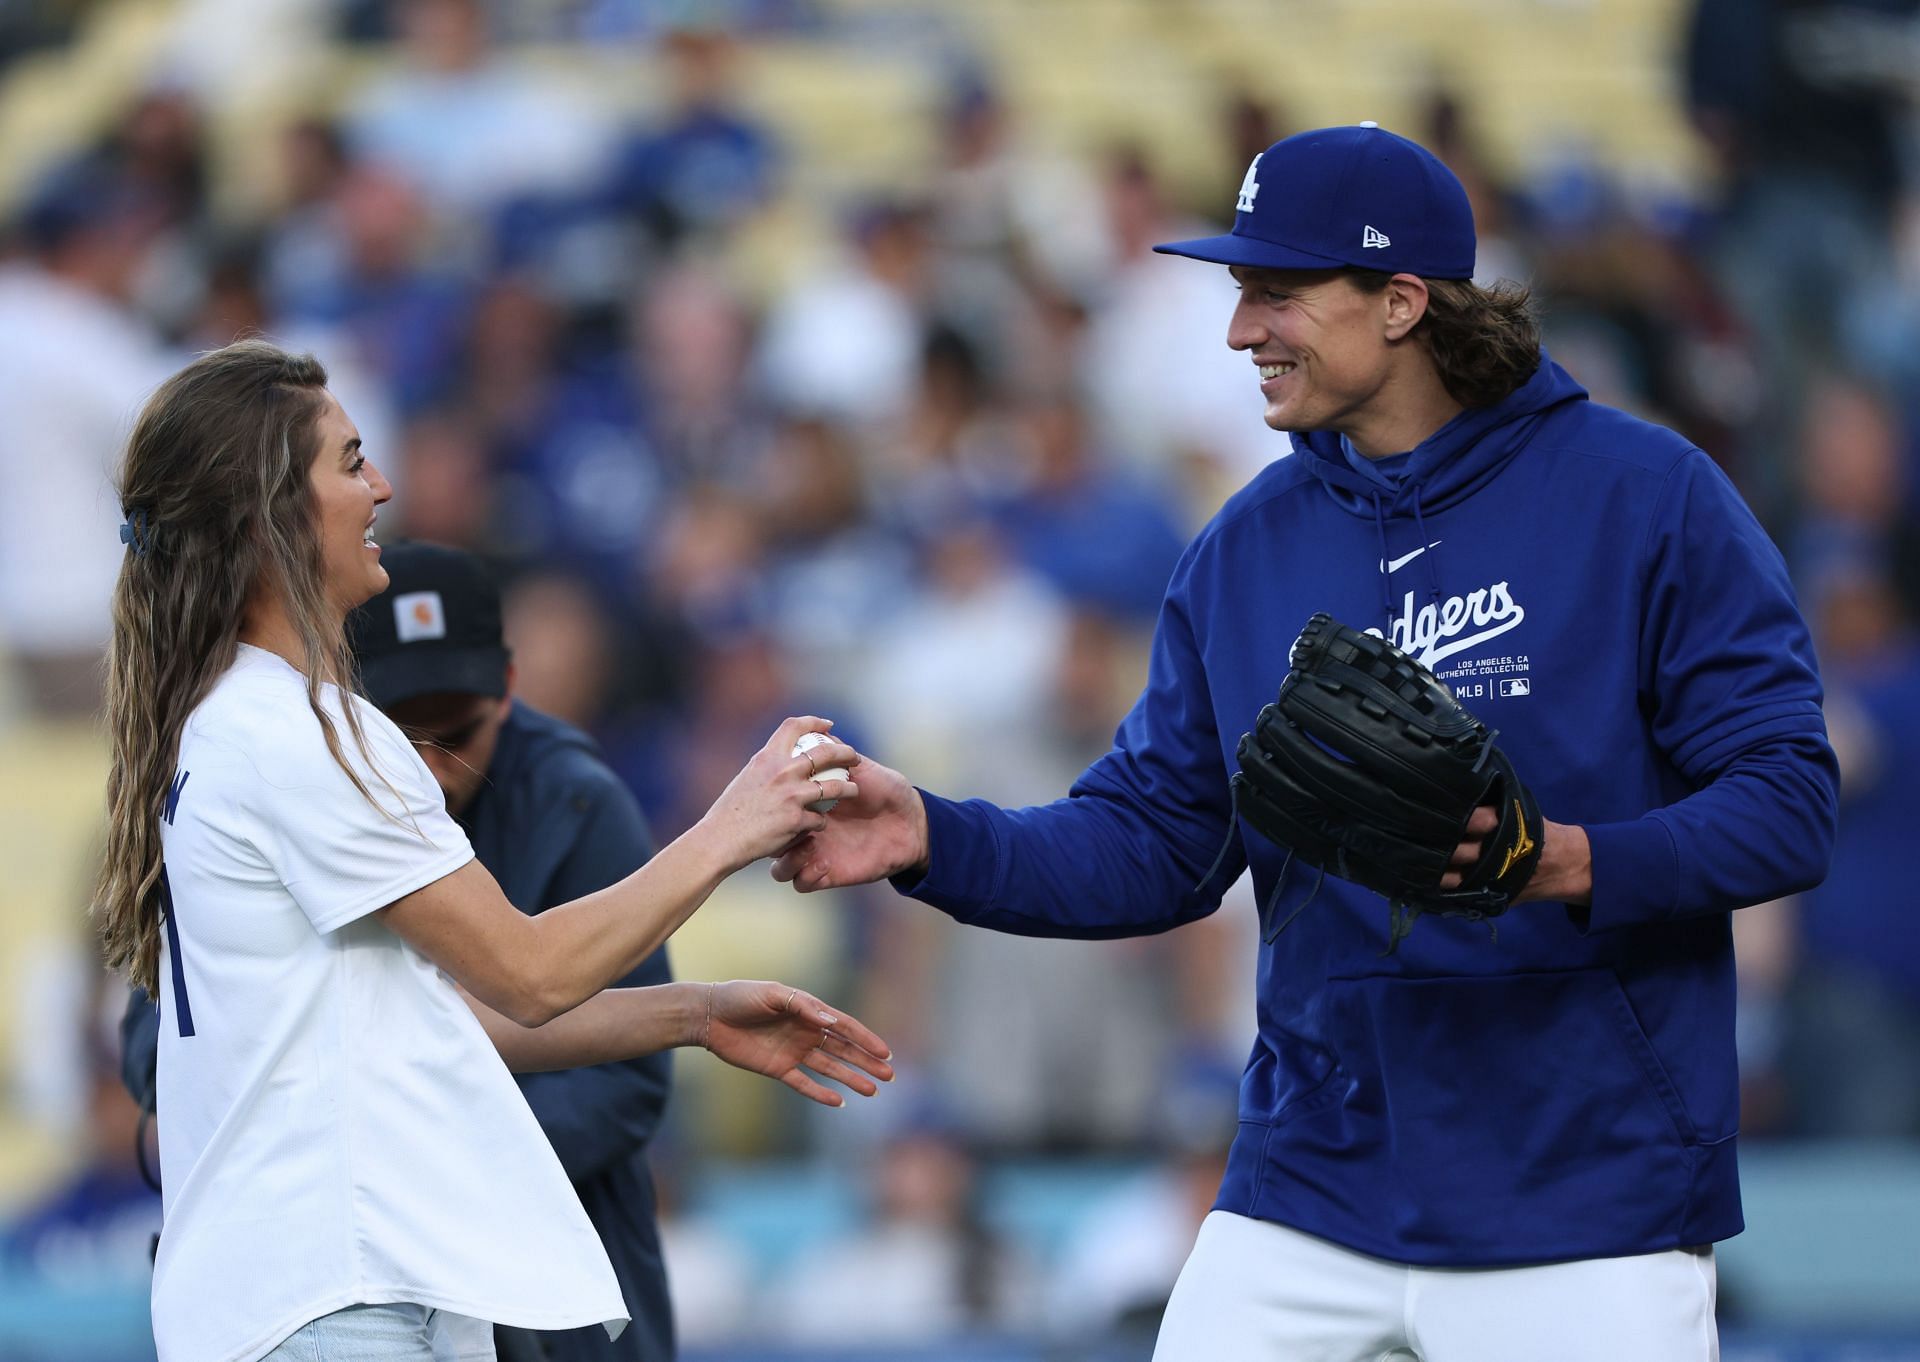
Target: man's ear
{"points": [[1405, 301], [506, 696]]}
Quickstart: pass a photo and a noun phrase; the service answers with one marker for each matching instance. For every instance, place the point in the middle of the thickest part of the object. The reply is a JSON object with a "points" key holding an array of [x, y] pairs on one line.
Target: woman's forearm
{"points": [[532, 969], [620, 1023], [587, 944]]}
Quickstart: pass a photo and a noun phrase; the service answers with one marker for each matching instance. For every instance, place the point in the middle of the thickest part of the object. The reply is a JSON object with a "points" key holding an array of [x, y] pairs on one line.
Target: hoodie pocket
{"points": [[1514, 1099]]}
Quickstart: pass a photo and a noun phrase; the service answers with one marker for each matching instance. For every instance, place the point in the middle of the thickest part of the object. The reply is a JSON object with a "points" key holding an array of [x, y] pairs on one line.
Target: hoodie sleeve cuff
{"points": [[1636, 875], [962, 858]]}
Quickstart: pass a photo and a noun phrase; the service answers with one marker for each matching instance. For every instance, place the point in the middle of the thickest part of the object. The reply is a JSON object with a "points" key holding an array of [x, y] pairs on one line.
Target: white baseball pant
{"points": [[1252, 1291]]}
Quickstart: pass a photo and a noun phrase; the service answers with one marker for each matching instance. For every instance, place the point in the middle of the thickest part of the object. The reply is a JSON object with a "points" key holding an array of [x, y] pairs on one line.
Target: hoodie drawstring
{"points": [[1420, 528], [1386, 576]]}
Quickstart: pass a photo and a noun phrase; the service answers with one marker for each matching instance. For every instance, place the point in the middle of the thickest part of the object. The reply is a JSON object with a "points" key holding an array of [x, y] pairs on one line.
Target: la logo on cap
{"points": [[419, 615], [1249, 188]]}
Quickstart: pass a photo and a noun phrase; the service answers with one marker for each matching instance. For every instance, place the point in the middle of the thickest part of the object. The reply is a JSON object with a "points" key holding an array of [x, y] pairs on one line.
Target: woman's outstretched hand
{"points": [[782, 1031], [769, 805]]}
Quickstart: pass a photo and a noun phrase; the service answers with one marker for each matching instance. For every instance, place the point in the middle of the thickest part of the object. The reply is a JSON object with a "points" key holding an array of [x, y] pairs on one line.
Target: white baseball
{"points": [[808, 740]]}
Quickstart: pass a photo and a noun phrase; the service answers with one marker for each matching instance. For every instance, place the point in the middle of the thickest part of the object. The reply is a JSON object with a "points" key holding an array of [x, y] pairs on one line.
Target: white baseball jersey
{"points": [[335, 1126]]}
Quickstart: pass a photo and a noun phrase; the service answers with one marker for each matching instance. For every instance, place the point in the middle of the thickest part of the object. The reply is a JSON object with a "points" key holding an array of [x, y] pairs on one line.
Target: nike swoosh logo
{"points": [[1399, 563]]}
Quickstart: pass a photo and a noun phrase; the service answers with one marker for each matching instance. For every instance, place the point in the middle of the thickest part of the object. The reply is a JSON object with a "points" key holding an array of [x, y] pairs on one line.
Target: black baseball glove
{"points": [[1367, 767]]}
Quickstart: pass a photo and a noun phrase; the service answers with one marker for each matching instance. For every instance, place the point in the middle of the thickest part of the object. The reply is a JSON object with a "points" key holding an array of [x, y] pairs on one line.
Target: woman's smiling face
{"points": [[347, 492]]}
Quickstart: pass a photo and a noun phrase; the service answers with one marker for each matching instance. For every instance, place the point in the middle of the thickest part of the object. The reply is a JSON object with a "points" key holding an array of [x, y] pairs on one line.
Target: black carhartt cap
{"points": [[434, 630]]}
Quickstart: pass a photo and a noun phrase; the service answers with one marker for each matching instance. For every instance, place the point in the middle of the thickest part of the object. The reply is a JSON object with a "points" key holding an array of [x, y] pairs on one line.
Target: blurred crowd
{"points": [[925, 468]]}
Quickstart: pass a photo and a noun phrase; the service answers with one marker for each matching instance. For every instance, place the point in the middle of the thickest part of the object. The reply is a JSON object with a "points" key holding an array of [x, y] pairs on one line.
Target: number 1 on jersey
{"points": [[182, 1012]]}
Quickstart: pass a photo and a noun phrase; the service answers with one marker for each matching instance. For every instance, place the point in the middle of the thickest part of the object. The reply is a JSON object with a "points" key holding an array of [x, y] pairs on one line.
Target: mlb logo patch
{"points": [[419, 615], [1518, 685]]}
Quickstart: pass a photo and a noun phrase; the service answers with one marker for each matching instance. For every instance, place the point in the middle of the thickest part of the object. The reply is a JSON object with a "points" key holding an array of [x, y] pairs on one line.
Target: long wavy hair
{"points": [[1484, 341], [216, 489]]}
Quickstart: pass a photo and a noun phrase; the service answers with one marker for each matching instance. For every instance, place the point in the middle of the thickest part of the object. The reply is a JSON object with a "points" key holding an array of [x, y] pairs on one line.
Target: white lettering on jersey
{"points": [[1438, 629]]}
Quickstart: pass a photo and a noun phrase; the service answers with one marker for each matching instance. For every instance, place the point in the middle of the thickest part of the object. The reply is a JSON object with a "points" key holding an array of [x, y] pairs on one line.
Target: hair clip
{"points": [[136, 532]]}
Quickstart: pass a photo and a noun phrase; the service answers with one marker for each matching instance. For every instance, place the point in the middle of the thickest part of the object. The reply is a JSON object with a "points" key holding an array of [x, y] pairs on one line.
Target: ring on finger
{"points": [[808, 754], [820, 789]]}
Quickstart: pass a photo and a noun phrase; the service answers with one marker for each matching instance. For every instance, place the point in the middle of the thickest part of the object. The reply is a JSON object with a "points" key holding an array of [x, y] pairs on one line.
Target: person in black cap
{"points": [[552, 823], [1468, 1148]]}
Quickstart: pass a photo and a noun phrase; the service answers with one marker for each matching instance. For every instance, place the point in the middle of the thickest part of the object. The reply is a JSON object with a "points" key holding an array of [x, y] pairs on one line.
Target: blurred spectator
{"points": [[709, 1275], [596, 19], [846, 341], [94, 1228], [1250, 125], [953, 448], [562, 649], [1104, 538], [706, 411], [1118, 1268], [1008, 220], [1802, 104], [377, 283], [834, 577], [232, 303], [739, 680], [924, 1267], [1853, 1010], [1637, 312], [158, 148], [75, 363], [1168, 396], [563, 429], [993, 680], [706, 567], [705, 164], [31, 25], [1852, 474], [221, 48], [449, 493], [466, 127], [1448, 129], [972, 654], [304, 250]]}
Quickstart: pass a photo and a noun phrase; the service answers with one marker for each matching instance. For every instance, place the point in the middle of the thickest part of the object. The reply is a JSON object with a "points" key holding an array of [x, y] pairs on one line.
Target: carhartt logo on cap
{"points": [[419, 615], [1374, 238], [1249, 188]]}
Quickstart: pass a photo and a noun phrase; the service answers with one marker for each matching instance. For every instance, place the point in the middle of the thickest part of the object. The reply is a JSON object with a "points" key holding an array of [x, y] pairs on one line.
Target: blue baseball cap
{"points": [[1358, 196]]}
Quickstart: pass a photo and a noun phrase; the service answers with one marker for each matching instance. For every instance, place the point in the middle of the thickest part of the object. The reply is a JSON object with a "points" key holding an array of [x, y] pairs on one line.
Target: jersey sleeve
{"points": [[1127, 852], [340, 855], [1732, 697]]}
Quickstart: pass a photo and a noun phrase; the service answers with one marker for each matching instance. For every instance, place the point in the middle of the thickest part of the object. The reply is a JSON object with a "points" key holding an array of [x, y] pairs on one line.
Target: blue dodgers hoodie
{"points": [[1593, 588]]}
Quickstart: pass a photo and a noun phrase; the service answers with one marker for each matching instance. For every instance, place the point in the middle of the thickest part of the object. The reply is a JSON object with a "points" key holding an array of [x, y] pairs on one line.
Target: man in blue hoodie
{"points": [[1476, 1148]]}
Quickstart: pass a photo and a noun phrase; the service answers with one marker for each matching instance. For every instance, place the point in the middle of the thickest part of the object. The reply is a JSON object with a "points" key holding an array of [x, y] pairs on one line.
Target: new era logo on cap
{"points": [[1373, 239], [419, 615]]}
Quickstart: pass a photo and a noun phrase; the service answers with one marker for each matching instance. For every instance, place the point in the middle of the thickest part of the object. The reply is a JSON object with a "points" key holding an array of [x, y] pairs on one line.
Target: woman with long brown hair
{"points": [[347, 1167]]}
